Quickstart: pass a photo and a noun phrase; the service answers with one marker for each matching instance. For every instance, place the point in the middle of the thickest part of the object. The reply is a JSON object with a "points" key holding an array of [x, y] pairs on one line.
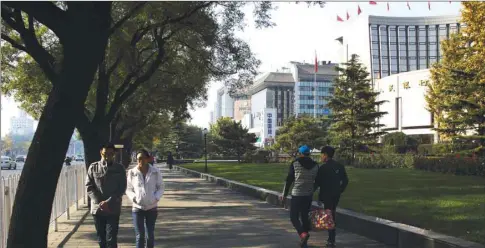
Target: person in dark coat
{"points": [[332, 180], [170, 160]]}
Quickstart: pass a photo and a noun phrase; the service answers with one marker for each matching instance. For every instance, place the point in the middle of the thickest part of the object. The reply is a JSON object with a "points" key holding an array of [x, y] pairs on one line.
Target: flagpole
{"points": [[315, 87], [315, 95]]}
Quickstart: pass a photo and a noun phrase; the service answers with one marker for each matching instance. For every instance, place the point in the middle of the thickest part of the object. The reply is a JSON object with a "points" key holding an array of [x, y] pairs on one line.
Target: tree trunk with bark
{"points": [[83, 47]]}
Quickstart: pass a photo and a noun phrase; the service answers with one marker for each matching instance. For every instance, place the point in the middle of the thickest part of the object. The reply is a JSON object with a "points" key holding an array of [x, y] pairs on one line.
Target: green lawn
{"points": [[453, 205]]}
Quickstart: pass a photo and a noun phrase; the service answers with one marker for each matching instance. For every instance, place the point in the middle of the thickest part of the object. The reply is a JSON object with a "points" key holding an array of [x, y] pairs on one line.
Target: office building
{"points": [[307, 81], [406, 105], [242, 104], [22, 125], [397, 52], [224, 106], [391, 45], [273, 90]]}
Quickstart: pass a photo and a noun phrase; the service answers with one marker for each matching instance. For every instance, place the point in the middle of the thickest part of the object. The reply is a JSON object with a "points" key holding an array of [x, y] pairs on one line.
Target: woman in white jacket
{"points": [[145, 188]]}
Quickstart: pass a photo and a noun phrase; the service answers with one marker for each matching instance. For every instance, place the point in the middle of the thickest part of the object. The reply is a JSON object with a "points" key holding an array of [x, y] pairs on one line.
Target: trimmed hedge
{"points": [[384, 160], [455, 165]]}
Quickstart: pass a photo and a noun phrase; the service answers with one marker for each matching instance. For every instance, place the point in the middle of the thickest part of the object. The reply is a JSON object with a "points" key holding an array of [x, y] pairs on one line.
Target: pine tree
{"points": [[456, 95], [355, 108]]}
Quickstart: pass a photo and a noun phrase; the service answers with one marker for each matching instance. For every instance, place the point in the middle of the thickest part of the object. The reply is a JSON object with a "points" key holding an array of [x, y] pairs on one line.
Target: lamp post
{"points": [[204, 132]]}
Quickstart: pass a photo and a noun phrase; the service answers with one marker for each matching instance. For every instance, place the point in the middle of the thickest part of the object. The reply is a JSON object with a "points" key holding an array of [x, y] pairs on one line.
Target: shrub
{"points": [[446, 149], [384, 160], [259, 156], [457, 165]]}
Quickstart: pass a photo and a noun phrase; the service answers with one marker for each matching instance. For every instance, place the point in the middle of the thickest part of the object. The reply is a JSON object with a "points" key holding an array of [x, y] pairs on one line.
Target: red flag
{"points": [[358, 10], [316, 62], [409, 6], [429, 5], [388, 6], [339, 19], [372, 2], [348, 16]]}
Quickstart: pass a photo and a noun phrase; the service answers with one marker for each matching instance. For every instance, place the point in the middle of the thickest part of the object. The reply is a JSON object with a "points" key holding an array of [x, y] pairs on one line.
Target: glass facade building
{"points": [[407, 44], [305, 97]]}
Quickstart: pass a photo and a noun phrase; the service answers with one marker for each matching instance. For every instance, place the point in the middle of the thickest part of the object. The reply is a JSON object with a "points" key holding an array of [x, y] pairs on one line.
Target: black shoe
{"points": [[330, 245], [304, 240]]}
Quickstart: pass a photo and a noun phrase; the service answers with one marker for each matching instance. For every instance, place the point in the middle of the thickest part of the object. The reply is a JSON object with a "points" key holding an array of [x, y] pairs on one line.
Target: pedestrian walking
{"points": [[170, 160], [145, 188], [332, 180], [302, 173], [105, 185]]}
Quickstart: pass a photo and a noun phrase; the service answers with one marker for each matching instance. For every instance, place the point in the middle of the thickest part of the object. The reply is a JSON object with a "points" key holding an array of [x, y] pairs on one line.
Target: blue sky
{"points": [[299, 32]]}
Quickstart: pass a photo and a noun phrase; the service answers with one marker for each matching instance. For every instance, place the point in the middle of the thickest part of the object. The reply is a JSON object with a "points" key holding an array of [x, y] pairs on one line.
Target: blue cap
{"points": [[304, 149]]}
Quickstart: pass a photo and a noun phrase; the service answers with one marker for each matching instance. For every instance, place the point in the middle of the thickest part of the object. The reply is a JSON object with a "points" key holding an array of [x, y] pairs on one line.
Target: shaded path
{"points": [[195, 213]]}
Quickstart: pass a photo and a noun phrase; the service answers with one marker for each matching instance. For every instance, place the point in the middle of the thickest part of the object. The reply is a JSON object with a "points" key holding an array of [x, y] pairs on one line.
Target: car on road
{"points": [[8, 163], [79, 158], [21, 158]]}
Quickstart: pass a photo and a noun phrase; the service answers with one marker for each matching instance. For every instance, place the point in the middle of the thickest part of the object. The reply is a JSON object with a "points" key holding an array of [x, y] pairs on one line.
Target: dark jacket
{"points": [[302, 172], [106, 183], [169, 159], [331, 179]]}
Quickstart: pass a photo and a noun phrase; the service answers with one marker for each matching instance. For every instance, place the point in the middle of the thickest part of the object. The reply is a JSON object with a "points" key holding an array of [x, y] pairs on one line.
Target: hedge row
{"points": [[455, 165], [384, 160], [458, 165]]}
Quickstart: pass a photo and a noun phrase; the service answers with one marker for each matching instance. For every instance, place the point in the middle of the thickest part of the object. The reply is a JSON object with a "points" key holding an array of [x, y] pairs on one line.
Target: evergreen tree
{"points": [[302, 130], [354, 108], [456, 95], [230, 138]]}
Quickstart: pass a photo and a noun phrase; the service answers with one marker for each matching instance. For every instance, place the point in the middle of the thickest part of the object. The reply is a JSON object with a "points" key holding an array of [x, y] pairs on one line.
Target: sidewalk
{"points": [[195, 213]]}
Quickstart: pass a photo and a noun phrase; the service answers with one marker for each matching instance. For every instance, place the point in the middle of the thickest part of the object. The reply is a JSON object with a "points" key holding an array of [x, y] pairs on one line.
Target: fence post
{"points": [[67, 195], [76, 189], [7, 204], [2, 208], [55, 213], [84, 190]]}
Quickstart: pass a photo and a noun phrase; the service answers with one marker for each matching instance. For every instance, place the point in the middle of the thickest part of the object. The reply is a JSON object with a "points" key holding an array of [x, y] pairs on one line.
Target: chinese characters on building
{"points": [[270, 124]]}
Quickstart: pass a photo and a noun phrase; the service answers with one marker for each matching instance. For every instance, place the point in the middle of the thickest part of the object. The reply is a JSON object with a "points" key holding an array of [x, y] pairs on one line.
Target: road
{"points": [[20, 166]]}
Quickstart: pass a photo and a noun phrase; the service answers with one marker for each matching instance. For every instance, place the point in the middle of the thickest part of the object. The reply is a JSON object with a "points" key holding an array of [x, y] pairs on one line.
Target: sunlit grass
{"points": [[453, 205]]}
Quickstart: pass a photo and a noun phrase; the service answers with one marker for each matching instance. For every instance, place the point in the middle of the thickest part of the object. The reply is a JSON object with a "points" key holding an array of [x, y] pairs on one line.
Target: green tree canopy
{"points": [[230, 138], [302, 130], [456, 95]]}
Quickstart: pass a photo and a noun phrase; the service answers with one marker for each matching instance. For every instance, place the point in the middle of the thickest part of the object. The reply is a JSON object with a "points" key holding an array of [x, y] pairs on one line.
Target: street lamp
{"points": [[204, 132]]}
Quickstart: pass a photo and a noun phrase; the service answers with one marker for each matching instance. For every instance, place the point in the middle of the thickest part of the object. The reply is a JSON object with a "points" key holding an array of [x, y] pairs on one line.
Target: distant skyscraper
{"points": [[22, 125], [224, 106]]}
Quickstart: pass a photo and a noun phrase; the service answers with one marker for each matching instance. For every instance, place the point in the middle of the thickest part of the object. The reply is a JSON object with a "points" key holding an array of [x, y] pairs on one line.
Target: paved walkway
{"points": [[195, 213]]}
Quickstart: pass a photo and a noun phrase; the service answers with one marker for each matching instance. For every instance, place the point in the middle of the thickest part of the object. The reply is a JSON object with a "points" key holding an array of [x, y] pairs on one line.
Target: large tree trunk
{"points": [[83, 48]]}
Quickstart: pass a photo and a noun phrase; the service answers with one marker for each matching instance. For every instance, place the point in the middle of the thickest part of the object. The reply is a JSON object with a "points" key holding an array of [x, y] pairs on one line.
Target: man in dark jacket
{"points": [[332, 180], [302, 173], [170, 160], [105, 185]]}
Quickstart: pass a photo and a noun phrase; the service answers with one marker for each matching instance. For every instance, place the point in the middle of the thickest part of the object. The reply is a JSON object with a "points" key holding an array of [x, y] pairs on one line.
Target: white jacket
{"points": [[145, 193]]}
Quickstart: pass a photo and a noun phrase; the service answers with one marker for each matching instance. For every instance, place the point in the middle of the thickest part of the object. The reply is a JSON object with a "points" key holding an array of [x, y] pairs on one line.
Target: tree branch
{"points": [[117, 62], [45, 60], [122, 95], [46, 13], [13, 43], [130, 13], [117, 102]]}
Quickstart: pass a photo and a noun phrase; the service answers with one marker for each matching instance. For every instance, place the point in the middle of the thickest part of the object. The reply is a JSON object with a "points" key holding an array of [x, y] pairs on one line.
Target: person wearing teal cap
{"points": [[302, 173]]}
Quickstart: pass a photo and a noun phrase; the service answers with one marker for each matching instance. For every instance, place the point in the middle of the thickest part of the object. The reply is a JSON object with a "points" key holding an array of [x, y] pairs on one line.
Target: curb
{"points": [[382, 230]]}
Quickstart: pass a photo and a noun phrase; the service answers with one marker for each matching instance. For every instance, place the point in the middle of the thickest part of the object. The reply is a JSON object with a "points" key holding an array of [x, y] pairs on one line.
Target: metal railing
{"points": [[70, 190]]}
